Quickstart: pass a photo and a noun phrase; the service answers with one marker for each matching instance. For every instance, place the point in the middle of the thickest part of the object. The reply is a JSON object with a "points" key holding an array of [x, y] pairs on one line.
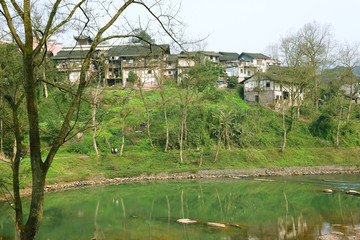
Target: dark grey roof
{"points": [[208, 53], [71, 54], [254, 55], [229, 56], [172, 58], [138, 50]]}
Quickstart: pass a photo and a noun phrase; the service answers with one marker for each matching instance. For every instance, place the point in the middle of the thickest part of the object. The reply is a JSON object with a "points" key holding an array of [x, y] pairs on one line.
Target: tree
{"points": [[11, 103], [198, 78], [295, 74], [349, 59], [24, 36], [140, 85], [317, 44], [142, 37]]}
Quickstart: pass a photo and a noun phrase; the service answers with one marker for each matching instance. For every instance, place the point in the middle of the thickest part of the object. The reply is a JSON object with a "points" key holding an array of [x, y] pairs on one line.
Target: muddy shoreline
{"points": [[206, 174]]}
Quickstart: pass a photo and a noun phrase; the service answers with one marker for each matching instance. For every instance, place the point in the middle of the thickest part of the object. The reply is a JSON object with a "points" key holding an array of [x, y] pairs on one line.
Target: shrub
{"points": [[232, 82], [323, 127]]}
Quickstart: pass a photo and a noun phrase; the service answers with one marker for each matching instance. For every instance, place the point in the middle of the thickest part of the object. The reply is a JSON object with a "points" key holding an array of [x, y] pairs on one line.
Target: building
{"points": [[269, 91], [149, 63], [250, 63]]}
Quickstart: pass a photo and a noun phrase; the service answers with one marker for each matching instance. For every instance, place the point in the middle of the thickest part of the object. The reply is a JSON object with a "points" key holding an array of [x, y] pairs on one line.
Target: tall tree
{"points": [[317, 45], [140, 85], [60, 14], [349, 59]]}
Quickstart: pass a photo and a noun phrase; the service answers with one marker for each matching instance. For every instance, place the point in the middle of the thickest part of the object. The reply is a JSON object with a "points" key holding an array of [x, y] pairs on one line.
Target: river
{"points": [[292, 207]]}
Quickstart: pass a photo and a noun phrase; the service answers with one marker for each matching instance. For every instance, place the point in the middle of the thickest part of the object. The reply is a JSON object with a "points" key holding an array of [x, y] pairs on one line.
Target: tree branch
{"points": [[18, 9], [160, 22], [10, 24]]}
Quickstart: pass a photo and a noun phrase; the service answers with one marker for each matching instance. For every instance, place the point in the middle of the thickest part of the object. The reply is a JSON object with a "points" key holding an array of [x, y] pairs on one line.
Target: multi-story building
{"points": [[152, 62]]}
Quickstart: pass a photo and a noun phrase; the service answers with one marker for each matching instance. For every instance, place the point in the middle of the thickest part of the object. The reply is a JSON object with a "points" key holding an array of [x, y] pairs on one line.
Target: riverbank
{"points": [[204, 174]]}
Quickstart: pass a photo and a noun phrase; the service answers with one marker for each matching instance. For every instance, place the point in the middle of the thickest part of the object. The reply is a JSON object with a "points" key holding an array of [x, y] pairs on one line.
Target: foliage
{"points": [[324, 126], [232, 82], [204, 76], [142, 37], [132, 78]]}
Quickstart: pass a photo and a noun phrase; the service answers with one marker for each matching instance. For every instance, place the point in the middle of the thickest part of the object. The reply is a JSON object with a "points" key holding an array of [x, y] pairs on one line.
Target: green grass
{"points": [[76, 167]]}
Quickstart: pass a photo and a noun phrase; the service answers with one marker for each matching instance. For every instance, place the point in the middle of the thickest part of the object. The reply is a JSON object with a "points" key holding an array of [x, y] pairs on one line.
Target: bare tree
{"points": [[125, 112], [161, 83], [317, 45], [140, 85], [61, 14], [349, 59]]}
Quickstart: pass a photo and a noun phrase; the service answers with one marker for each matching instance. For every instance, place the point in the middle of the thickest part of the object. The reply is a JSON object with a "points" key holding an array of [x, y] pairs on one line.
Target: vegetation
{"points": [[181, 126], [220, 126]]}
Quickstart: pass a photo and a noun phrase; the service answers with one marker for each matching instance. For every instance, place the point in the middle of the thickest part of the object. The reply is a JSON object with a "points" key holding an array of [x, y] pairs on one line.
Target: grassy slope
{"points": [[75, 167], [264, 152]]}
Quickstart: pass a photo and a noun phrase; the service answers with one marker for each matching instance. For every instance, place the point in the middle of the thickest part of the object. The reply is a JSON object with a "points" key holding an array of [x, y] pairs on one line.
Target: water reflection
{"points": [[285, 208]]}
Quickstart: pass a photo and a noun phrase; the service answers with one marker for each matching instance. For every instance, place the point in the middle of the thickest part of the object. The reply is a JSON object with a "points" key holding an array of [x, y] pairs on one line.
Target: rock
{"points": [[327, 191], [186, 221], [353, 192], [213, 224]]}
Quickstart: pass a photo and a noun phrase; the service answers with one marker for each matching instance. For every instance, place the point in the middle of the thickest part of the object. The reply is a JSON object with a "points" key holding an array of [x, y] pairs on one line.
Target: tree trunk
{"points": [[227, 138], [284, 128], [94, 130], [316, 96], [185, 123], [37, 166], [15, 164], [123, 136], [167, 127], [45, 87], [217, 147], [147, 116], [201, 157], [181, 139], [350, 103], [338, 128], [249, 145]]}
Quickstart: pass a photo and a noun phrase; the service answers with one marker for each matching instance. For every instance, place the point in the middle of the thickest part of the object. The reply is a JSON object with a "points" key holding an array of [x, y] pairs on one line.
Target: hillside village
{"points": [[157, 61], [151, 62]]}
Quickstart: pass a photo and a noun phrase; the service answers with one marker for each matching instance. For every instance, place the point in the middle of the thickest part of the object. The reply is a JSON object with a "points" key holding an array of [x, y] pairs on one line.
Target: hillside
{"points": [[245, 135]]}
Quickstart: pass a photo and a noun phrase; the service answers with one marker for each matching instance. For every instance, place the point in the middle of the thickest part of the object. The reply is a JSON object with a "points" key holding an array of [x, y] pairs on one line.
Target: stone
{"points": [[213, 224], [353, 192], [186, 221], [327, 191]]}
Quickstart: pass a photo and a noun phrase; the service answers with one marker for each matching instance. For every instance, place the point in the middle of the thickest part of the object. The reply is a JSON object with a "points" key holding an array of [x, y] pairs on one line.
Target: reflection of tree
{"points": [[98, 234]]}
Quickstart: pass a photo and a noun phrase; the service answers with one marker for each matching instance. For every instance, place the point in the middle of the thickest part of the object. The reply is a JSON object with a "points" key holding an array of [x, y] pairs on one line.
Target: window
{"points": [[149, 72], [268, 84], [242, 71], [285, 95]]}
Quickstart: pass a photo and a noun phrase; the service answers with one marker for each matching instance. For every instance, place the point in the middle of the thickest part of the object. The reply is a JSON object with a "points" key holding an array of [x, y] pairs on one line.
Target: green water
{"points": [[250, 208]]}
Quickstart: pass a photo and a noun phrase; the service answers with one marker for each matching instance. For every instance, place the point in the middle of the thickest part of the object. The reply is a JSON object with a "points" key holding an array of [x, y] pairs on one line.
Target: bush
{"points": [[323, 127], [232, 82]]}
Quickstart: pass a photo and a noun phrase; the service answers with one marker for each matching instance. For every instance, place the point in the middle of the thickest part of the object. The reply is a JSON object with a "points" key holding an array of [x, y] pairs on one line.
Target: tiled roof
{"points": [[229, 56], [138, 50], [255, 55], [71, 54]]}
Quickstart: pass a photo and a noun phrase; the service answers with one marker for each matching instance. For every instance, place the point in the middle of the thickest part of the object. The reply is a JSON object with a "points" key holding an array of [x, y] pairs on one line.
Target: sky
{"points": [[252, 25]]}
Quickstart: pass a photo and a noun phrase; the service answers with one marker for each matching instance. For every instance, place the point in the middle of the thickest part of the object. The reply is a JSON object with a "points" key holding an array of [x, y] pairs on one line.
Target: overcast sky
{"points": [[251, 25]]}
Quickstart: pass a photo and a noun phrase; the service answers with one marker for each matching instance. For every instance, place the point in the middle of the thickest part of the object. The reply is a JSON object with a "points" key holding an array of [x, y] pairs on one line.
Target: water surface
{"points": [[262, 208]]}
